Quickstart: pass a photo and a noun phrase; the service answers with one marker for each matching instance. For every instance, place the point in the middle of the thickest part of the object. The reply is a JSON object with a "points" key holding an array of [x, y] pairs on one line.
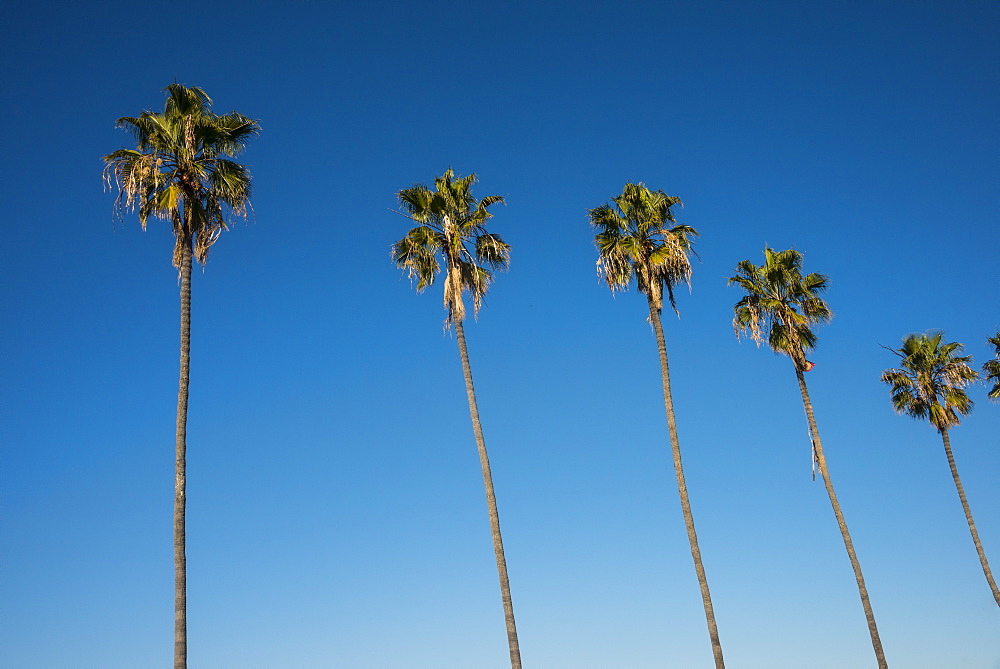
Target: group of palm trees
{"points": [[181, 170]]}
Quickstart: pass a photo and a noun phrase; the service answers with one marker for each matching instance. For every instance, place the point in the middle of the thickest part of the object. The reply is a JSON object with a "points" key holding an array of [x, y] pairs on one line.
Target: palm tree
{"points": [[991, 368], [638, 236], [929, 384], [451, 226], [782, 305], [179, 172]]}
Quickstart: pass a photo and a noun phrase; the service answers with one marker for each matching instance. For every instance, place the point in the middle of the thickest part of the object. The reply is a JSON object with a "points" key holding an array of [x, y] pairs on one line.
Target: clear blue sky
{"points": [[336, 513]]}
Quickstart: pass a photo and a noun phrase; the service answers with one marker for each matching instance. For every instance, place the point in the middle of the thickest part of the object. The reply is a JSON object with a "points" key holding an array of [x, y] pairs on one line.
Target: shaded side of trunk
{"points": [[491, 500], [180, 472], [675, 448], [968, 516], [825, 473]]}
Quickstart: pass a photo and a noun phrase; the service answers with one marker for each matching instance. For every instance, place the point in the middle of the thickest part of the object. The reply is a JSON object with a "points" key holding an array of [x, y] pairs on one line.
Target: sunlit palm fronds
{"points": [[637, 236], [452, 228], [781, 305], [179, 171], [991, 368], [930, 381]]}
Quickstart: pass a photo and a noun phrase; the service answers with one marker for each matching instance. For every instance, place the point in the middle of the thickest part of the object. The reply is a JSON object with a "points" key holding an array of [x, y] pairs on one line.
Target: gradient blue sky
{"points": [[336, 514]]}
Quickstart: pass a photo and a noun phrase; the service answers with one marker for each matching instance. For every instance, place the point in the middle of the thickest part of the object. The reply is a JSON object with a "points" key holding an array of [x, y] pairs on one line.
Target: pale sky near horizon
{"points": [[336, 514]]}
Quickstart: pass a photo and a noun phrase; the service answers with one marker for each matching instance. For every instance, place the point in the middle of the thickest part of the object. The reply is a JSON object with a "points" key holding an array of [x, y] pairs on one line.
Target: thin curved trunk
{"points": [[675, 448], [180, 472], [824, 472], [968, 516], [491, 500]]}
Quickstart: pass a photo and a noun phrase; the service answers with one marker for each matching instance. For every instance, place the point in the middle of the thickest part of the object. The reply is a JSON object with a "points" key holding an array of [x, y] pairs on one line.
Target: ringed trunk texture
{"points": [[675, 448], [180, 472], [824, 472], [491, 500], [968, 516]]}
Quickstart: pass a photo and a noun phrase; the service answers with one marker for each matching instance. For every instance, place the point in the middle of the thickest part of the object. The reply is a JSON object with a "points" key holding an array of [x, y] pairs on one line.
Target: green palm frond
{"points": [[781, 305], [229, 135], [416, 202], [186, 101], [636, 237], [452, 227], [417, 254], [229, 182], [991, 368], [930, 380], [179, 171]]}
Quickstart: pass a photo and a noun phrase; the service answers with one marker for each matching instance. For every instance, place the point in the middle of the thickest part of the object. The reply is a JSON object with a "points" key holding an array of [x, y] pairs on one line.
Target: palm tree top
{"points": [[781, 303], [930, 380], [179, 170], [991, 368], [451, 229], [187, 121], [637, 235]]}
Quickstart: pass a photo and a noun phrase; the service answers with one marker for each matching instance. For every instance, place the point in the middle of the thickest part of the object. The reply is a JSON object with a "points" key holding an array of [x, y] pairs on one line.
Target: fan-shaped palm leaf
{"points": [[991, 368]]}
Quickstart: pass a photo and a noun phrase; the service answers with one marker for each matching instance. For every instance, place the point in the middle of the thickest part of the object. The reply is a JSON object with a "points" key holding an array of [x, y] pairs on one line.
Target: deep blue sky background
{"points": [[336, 514]]}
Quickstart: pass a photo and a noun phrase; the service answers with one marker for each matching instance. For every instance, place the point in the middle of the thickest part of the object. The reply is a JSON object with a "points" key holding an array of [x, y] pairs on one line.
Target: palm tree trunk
{"points": [[824, 472], [968, 516], [491, 500], [180, 472], [675, 448]]}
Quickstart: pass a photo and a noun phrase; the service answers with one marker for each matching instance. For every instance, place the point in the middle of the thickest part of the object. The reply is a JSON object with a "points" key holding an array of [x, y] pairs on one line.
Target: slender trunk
{"points": [[675, 448], [491, 500], [180, 480], [824, 472], [968, 516]]}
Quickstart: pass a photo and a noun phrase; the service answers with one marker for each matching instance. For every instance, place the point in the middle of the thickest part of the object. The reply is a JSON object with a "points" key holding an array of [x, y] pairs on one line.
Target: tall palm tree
{"points": [[451, 230], [929, 384], [991, 368], [782, 305], [638, 236], [179, 172]]}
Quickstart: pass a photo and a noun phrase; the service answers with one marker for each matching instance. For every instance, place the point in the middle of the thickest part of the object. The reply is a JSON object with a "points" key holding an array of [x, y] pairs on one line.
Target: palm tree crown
{"points": [[638, 236], [780, 302], [929, 383], [991, 368], [179, 172], [452, 226]]}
